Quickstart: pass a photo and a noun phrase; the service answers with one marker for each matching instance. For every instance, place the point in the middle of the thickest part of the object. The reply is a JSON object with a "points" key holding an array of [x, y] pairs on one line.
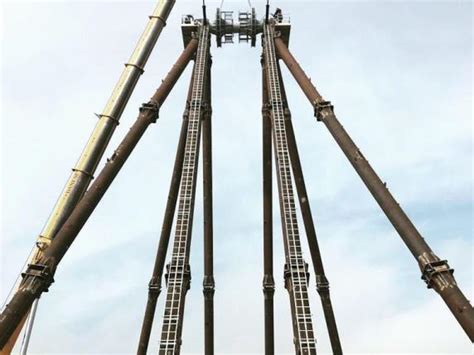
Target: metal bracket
{"points": [[208, 286], [319, 107], [83, 172], [40, 272], [153, 108], [268, 284], [434, 268], [322, 284], [288, 272], [140, 69], [113, 119], [186, 270], [154, 286]]}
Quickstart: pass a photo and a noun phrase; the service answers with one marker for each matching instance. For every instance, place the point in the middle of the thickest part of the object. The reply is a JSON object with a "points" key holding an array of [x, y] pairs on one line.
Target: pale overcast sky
{"points": [[400, 77]]}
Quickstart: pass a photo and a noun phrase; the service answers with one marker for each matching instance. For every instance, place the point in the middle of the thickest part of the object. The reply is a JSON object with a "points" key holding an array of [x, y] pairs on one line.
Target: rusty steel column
{"points": [[268, 281], [322, 283], [208, 282], [154, 287], [39, 276], [435, 272]]}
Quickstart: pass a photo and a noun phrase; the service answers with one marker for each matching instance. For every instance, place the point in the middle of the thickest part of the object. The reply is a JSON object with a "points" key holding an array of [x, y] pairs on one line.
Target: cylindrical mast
{"points": [[268, 280], [39, 275], [208, 282], [435, 272], [154, 286], [83, 171], [322, 283]]}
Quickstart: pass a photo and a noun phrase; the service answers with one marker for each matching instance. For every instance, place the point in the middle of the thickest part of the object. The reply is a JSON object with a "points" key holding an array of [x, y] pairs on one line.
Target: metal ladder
{"points": [[296, 269], [178, 273]]}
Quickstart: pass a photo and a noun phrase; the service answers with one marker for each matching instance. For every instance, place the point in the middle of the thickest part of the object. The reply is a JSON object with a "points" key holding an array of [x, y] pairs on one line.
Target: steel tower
{"points": [[82, 193]]}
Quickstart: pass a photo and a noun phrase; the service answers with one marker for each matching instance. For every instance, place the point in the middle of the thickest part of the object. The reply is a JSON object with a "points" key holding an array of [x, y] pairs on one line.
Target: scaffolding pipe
{"points": [[435, 272], [208, 282], [38, 276], [83, 171], [154, 286], [268, 280]]}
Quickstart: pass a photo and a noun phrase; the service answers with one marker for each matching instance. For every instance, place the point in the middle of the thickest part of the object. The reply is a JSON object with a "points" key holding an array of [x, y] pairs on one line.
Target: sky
{"points": [[399, 74]]}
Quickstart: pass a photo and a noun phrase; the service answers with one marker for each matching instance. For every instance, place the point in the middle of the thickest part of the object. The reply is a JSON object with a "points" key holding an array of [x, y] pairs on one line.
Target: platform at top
{"points": [[246, 26]]}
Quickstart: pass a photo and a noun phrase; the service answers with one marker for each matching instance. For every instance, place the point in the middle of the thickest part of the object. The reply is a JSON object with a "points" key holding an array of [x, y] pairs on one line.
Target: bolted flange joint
{"points": [[41, 275], [322, 284], [174, 269], [300, 269], [322, 109], [432, 269], [208, 286], [266, 109], [151, 108], [268, 285], [154, 286]]}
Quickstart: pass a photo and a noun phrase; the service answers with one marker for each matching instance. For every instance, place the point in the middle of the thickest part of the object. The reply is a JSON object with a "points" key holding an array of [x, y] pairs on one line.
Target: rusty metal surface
{"points": [[436, 272], [154, 286], [208, 281], [178, 276], [296, 269], [268, 280], [83, 171], [322, 283], [39, 275]]}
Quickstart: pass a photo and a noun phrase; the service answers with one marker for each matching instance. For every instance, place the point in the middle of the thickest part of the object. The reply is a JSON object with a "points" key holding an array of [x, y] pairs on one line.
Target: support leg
{"points": [[178, 274], [39, 276], [296, 269], [322, 283], [268, 281], [83, 171], [208, 282], [154, 287], [435, 272]]}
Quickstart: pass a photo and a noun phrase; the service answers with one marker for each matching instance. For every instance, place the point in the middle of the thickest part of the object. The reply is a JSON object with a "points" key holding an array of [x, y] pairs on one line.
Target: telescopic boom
{"points": [[39, 275], [83, 171]]}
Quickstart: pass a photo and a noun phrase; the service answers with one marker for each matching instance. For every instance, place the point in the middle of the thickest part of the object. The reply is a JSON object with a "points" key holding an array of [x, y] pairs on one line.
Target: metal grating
{"points": [[296, 269], [178, 274]]}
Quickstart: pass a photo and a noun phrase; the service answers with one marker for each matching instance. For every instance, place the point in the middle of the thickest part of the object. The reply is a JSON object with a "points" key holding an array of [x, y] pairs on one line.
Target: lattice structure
{"points": [[74, 206]]}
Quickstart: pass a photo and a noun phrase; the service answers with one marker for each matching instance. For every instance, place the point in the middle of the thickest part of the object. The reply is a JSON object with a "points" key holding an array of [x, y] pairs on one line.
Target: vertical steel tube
{"points": [[83, 171], [435, 272], [322, 283], [296, 269], [208, 282], [268, 281], [39, 275], [154, 287]]}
